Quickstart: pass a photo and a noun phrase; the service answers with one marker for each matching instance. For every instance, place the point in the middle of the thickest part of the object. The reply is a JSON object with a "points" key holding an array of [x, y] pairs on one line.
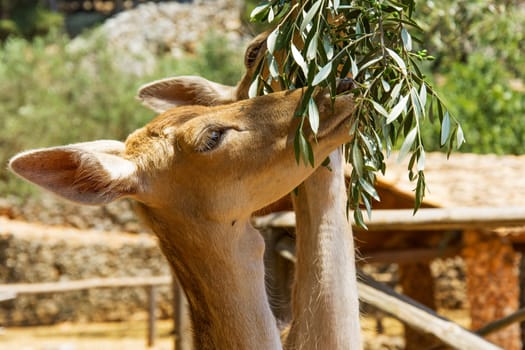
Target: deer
{"points": [[196, 174], [325, 305]]}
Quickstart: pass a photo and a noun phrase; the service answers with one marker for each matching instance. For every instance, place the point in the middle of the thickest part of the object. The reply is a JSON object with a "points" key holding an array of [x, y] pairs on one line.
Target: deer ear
{"points": [[92, 173], [164, 94]]}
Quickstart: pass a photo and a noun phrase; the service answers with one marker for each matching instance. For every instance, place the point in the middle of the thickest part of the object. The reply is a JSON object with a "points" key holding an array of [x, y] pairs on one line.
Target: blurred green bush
{"points": [[52, 95], [489, 101], [479, 69], [27, 18]]}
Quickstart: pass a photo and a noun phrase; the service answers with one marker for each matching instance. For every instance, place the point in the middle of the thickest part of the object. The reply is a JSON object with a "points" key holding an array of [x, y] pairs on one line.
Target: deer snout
{"points": [[344, 85]]}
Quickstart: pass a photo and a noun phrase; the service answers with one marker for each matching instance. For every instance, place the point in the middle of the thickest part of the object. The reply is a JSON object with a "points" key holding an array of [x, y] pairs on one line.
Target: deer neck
{"points": [[325, 270], [224, 285]]}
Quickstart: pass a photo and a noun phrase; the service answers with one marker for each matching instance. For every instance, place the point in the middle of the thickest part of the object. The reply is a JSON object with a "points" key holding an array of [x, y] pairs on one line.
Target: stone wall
{"points": [[31, 253]]}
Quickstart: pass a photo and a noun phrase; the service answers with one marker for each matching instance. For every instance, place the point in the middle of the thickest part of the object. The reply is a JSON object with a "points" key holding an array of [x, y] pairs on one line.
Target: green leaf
{"points": [[431, 110], [386, 85], [305, 149], [396, 90], [357, 160], [311, 52], [258, 10], [380, 109], [416, 105], [407, 39], [460, 139], [358, 217], [298, 58], [371, 62], [420, 191], [368, 206], [367, 142], [322, 74], [273, 68], [445, 128], [399, 61], [398, 108], [397, 6], [365, 185], [423, 95], [355, 69], [272, 40], [307, 19], [421, 161], [407, 144], [328, 47], [254, 86], [313, 115], [271, 15]]}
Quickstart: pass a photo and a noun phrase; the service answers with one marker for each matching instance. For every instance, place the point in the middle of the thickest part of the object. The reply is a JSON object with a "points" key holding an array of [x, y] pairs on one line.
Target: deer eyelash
{"points": [[210, 140]]}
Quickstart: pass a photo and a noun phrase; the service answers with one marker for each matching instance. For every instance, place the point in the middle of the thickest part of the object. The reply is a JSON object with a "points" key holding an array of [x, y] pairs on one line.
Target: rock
{"points": [[137, 36]]}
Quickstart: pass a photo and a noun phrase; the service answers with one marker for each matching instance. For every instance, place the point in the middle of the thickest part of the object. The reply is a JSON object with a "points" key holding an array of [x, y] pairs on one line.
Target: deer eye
{"points": [[210, 140]]}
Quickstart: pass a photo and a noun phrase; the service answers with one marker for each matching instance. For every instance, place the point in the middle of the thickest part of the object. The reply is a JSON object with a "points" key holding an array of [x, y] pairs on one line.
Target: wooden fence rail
{"points": [[370, 291], [431, 219], [11, 291], [68, 286]]}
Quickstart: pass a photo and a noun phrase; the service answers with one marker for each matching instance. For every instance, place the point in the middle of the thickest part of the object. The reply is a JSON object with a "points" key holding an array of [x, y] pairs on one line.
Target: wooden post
{"points": [[417, 283], [522, 290], [152, 303], [492, 284]]}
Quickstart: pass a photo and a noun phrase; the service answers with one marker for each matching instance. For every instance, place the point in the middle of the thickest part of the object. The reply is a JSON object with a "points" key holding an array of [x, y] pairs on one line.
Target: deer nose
{"points": [[345, 84]]}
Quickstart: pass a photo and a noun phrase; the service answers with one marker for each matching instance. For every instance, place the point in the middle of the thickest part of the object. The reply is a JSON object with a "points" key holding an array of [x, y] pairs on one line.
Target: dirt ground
{"points": [[131, 335], [90, 336]]}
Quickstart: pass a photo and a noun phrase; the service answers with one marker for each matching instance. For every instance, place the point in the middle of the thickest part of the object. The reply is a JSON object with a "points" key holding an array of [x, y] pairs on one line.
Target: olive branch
{"points": [[314, 43]]}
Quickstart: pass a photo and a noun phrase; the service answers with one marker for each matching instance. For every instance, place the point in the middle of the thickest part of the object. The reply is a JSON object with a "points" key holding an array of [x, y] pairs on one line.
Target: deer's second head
{"points": [[223, 162]]}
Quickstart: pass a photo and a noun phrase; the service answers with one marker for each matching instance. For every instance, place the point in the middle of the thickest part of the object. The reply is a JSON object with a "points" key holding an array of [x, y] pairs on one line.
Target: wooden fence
{"points": [[372, 292], [11, 291]]}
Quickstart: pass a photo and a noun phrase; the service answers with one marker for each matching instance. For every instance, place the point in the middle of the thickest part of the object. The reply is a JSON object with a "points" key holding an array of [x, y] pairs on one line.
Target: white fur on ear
{"points": [[164, 94], [92, 173]]}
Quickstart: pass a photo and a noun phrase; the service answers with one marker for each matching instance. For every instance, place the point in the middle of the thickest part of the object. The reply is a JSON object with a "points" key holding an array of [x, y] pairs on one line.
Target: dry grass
{"points": [[130, 335]]}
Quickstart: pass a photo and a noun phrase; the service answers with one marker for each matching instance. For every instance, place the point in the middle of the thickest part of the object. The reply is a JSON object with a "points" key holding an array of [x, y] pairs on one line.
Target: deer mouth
{"points": [[341, 121], [338, 124]]}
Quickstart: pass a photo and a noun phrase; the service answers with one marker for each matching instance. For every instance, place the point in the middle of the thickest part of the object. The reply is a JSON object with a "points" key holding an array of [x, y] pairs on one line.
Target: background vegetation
{"points": [[51, 94], [479, 70]]}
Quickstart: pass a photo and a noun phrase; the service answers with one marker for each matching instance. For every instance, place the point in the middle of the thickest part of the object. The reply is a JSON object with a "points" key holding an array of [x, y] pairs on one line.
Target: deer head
{"points": [[223, 158]]}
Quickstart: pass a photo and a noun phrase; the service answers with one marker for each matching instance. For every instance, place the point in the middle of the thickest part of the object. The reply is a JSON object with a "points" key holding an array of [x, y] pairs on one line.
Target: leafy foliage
{"points": [[490, 102], [27, 18], [316, 42], [456, 29], [479, 68]]}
